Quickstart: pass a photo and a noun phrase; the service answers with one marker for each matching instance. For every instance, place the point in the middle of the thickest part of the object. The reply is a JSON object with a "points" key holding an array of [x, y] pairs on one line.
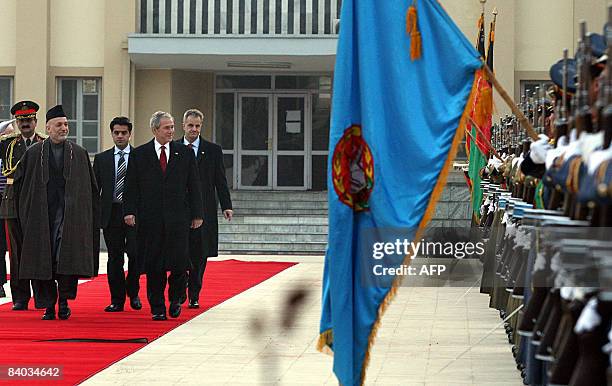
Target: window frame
{"points": [[273, 90], [11, 96], [79, 119]]}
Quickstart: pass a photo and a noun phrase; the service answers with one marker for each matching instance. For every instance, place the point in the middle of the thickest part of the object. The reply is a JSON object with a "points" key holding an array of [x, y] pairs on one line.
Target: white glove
{"points": [[7, 127], [539, 149], [495, 163]]}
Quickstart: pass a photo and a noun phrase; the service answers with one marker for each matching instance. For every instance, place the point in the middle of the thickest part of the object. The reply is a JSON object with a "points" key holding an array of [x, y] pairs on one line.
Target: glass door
{"points": [[290, 142], [255, 147]]}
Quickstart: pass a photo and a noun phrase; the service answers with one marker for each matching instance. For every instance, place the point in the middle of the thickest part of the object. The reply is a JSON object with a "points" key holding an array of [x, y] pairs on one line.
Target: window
{"points": [[528, 87], [313, 126], [6, 95], [81, 101]]}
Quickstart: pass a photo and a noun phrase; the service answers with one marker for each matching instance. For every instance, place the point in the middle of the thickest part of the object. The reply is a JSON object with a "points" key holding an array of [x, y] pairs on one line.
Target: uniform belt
{"points": [[9, 181]]}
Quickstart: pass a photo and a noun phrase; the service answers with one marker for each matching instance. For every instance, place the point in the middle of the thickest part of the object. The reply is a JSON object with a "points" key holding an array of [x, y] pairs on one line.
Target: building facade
{"points": [[260, 70]]}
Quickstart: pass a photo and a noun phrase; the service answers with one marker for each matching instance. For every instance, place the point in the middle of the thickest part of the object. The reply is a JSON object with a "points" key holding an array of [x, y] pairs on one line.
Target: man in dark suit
{"points": [[164, 198], [203, 242], [110, 168]]}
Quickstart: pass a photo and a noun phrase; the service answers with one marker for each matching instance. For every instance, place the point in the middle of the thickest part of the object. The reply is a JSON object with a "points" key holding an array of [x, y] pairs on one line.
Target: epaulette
{"points": [[41, 135]]}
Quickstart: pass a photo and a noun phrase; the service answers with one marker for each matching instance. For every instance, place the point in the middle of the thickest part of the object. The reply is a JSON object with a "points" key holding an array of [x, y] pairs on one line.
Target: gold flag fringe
{"points": [[412, 28]]}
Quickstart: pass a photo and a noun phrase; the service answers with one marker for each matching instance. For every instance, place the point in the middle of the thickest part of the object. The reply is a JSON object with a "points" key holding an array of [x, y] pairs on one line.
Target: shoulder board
{"points": [[41, 135]]}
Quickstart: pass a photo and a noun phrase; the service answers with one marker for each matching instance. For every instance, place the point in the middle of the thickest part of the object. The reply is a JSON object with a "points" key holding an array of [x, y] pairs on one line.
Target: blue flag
{"points": [[403, 84]]}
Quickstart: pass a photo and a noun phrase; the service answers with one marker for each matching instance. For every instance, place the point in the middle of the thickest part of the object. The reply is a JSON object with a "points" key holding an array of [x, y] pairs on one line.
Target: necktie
{"points": [[190, 146], [163, 161], [28, 142], [120, 180]]}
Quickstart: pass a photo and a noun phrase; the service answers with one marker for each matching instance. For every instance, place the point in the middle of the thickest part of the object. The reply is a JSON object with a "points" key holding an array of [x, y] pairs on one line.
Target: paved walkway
{"points": [[422, 334]]}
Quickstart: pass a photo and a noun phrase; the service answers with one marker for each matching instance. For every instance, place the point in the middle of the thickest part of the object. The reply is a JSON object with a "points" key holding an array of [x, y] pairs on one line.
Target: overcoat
{"points": [[80, 244], [164, 205], [214, 187]]}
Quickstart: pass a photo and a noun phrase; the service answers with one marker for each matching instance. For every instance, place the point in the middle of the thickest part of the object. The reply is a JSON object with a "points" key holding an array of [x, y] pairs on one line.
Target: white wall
{"points": [[8, 35], [77, 33]]}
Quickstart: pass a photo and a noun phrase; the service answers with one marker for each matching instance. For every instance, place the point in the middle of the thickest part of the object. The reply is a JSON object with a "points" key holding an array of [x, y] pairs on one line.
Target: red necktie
{"points": [[190, 146], [163, 161]]}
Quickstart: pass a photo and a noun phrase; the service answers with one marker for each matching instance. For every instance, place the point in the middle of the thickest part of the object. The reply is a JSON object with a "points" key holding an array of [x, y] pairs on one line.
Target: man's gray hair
{"points": [[156, 118], [193, 113]]}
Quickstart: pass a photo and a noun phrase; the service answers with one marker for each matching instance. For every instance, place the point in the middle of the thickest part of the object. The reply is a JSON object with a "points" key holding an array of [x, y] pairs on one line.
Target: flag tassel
{"points": [[325, 340], [412, 28]]}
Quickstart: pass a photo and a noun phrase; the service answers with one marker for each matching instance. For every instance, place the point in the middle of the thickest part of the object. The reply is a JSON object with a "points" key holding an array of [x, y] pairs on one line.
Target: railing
{"points": [[239, 17]]}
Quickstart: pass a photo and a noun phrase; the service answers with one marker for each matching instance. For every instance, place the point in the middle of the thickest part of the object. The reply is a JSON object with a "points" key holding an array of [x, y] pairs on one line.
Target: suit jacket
{"points": [[214, 186], [104, 169], [164, 204]]}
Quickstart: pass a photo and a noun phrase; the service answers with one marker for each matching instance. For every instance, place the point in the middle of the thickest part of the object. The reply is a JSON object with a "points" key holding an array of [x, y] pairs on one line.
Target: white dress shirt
{"points": [[158, 150], [126, 156], [195, 144]]}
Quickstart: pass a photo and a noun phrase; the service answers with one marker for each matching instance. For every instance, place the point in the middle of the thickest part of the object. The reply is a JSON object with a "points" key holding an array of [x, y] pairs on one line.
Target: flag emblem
{"points": [[353, 170]]}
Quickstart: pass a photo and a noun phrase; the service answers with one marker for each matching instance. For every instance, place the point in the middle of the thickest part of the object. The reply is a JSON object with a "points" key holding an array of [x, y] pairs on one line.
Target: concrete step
{"points": [[282, 228], [277, 212], [273, 248], [279, 204], [277, 195], [276, 220], [272, 237]]}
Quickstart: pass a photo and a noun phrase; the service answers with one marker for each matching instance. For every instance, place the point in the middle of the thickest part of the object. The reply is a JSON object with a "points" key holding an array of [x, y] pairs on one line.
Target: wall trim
{"points": [[79, 72], [7, 71]]}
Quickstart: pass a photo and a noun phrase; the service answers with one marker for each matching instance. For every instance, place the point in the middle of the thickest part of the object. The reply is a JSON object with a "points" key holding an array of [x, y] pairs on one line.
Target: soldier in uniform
{"points": [[12, 148], [5, 128]]}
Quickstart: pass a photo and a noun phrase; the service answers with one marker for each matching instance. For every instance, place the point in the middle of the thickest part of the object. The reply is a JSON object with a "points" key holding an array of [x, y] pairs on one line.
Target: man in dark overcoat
{"points": [[163, 198], [58, 208], [203, 242]]}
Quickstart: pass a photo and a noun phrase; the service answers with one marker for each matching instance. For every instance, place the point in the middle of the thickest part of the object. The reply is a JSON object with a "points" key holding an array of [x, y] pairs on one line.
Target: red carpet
{"points": [[23, 334]]}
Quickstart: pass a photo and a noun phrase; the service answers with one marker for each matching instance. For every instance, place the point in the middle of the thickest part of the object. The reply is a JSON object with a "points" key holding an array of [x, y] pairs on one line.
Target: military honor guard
{"points": [[57, 198], [12, 148], [203, 242], [110, 168], [163, 200]]}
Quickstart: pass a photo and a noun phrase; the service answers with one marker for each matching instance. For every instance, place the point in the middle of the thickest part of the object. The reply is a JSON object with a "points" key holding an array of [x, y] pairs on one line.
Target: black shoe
{"points": [[2, 293], [20, 306], [49, 314], [175, 310], [63, 311], [114, 308], [159, 317], [135, 303], [194, 304]]}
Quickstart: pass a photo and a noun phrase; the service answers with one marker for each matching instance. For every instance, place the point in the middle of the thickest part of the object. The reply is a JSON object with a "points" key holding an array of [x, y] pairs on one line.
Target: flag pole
{"points": [[515, 110], [487, 142]]}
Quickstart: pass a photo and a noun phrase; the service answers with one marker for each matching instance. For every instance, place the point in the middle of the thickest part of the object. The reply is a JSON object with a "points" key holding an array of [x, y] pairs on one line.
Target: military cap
{"points": [[55, 112], [556, 75], [598, 45], [24, 110]]}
